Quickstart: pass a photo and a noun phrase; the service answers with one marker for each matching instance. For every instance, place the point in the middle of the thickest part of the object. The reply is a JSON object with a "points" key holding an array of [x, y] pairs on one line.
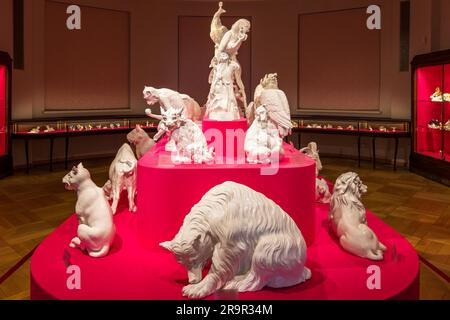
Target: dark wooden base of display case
{"points": [[434, 169]]}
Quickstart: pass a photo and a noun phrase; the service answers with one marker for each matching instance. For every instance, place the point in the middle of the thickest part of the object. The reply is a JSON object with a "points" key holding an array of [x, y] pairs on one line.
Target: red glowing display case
{"points": [[430, 150], [5, 114]]}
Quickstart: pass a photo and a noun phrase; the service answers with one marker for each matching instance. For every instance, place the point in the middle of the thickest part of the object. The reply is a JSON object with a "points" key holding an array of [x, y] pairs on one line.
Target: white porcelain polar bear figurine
{"points": [[122, 176], [252, 242], [348, 218], [96, 228]]}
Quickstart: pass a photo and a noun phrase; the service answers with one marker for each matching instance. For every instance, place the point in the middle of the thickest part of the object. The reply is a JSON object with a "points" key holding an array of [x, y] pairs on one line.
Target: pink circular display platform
{"points": [[132, 272], [137, 268], [166, 192]]}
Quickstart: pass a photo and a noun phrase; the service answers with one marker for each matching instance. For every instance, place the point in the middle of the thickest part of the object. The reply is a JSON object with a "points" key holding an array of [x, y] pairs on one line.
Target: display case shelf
{"points": [[430, 150]]}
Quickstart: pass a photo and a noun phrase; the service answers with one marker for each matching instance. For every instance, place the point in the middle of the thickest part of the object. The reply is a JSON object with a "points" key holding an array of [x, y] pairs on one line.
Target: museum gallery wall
{"points": [[154, 57]]}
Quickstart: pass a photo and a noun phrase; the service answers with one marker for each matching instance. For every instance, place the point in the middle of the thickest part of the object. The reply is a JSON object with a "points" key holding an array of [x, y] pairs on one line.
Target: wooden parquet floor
{"points": [[31, 206]]}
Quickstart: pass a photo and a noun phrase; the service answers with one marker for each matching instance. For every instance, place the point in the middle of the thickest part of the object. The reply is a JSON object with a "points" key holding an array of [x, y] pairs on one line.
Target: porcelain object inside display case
{"points": [[262, 142], [168, 98], [267, 93], [122, 176], [247, 253], [347, 217], [96, 229], [139, 138]]}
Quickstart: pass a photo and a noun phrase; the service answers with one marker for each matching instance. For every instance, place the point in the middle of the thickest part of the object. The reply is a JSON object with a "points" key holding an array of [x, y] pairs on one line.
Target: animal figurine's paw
{"points": [[197, 291], [75, 242], [133, 209]]}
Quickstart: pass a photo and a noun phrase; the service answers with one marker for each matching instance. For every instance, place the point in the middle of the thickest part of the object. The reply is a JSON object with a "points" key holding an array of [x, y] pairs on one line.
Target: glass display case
{"points": [[94, 125], [431, 115], [5, 114], [328, 125], [51, 129], [352, 125]]}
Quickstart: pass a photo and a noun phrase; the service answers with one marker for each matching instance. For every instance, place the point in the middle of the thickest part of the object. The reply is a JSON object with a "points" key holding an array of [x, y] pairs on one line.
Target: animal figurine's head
{"points": [[270, 81], [192, 249], [75, 177], [150, 95], [261, 114], [349, 183], [137, 135], [172, 117], [242, 26]]}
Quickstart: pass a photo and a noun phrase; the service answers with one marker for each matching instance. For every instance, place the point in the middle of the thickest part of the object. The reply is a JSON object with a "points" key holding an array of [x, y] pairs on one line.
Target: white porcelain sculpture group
{"points": [[188, 141], [227, 88], [96, 229], [323, 194], [347, 216], [252, 242], [262, 141], [122, 176]]}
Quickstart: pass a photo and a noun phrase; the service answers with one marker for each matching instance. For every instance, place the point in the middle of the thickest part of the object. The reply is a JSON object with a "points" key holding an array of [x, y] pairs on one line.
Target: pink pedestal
{"points": [[133, 272], [227, 138], [167, 192]]}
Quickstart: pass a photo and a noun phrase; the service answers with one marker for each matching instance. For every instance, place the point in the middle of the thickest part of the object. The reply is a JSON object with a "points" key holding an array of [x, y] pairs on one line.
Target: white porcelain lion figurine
{"points": [[347, 216], [96, 228], [252, 242]]}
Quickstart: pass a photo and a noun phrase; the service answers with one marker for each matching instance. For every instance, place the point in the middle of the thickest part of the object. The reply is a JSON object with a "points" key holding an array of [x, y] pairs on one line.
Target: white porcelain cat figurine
{"points": [[188, 139], [141, 140], [122, 176], [96, 228]]}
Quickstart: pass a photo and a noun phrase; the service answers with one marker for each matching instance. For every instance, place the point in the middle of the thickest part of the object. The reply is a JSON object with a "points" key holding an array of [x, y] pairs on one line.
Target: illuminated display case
{"points": [[5, 114], [65, 128], [430, 154]]}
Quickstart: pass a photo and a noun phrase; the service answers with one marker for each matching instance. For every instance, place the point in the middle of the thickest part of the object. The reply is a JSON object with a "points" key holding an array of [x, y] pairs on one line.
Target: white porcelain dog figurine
{"points": [[96, 228], [168, 98], [262, 142], [141, 140], [122, 176], [189, 142], [348, 218], [252, 242]]}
